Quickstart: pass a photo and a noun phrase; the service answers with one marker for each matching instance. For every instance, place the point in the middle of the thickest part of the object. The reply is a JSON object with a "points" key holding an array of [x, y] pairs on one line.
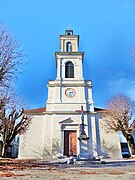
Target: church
{"points": [[69, 124]]}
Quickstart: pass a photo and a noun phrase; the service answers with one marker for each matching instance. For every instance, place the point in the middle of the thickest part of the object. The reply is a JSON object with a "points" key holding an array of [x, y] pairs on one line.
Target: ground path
{"points": [[39, 169]]}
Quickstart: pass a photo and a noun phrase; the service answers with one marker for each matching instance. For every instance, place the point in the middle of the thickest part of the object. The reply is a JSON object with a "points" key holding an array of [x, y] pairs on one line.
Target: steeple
{"points": [[69, 90]]}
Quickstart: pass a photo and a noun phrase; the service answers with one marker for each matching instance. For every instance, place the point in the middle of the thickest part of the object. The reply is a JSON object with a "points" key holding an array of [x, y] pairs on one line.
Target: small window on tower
{"points": [[69, 32], [68, 47], [69, 70]]}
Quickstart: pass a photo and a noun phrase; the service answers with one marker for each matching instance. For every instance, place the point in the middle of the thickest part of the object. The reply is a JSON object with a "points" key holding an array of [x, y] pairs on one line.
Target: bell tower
{"points": [[69, 91]]}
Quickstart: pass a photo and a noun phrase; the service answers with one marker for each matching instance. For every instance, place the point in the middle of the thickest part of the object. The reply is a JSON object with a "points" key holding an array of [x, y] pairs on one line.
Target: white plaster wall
{"points": [[56, 136], [32, 142], [51, 94], [60, 102], [65, 107], [109, 143], [48, 135], [93, 135], [45, 137]]}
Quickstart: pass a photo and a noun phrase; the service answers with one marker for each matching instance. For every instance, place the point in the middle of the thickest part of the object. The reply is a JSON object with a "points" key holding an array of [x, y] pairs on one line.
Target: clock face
{"points": [[70, 92]]}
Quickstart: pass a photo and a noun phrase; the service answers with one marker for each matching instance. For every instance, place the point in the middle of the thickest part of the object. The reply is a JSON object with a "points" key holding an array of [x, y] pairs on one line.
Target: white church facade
{"points": [[69, 124]]}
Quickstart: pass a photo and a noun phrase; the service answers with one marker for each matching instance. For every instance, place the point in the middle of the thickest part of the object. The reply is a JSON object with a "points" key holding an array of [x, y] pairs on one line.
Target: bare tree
{"points": [[120, 117], [12, 122], [10, 57]]}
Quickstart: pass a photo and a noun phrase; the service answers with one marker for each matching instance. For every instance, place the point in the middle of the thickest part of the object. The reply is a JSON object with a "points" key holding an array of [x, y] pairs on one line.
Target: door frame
{"points": [[74, 127], [68, 140]]}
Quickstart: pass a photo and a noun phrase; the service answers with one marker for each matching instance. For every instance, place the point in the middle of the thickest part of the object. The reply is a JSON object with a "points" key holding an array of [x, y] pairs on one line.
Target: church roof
{"points": [[37, 110], [43, 109], [100, 110]]}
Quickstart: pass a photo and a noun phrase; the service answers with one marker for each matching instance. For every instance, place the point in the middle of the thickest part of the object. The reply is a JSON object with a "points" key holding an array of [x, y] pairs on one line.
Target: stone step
{"points": [[88, 162]]}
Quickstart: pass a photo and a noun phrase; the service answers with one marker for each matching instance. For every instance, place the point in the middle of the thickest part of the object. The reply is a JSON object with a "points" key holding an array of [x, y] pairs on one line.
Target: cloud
{"points": [[122, 83], [131, 90]]}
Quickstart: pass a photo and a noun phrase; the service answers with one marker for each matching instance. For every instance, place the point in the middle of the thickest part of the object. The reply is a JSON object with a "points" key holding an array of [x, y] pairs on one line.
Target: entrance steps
{"points": [[88, 161], [85, 161]]}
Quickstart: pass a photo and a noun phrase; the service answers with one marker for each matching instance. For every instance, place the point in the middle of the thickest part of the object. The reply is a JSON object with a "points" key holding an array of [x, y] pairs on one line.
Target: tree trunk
{"points": [[131, 144], [130, 141], [4, 150]]}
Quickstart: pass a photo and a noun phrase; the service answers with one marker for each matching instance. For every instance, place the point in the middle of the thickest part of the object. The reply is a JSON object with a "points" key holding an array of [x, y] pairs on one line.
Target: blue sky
{"points": [[107, 32]]}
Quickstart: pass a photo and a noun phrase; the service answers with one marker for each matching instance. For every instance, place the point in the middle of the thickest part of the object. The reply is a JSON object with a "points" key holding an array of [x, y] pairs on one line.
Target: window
{"points": [[68, 47], [17, 139], [69, 32], [69, 70]]}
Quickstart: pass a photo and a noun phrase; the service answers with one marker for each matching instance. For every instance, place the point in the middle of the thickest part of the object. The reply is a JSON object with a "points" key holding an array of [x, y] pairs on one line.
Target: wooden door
{"points": [[70, 143]]}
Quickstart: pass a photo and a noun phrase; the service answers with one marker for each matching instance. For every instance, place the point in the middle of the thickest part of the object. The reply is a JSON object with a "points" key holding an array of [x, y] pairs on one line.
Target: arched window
{"points": [[68, 47], [69, 70]]}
